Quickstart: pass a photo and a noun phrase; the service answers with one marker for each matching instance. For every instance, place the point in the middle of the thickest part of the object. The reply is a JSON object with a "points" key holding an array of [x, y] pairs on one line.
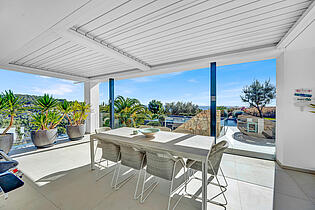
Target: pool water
{"points": [[229, 122]]}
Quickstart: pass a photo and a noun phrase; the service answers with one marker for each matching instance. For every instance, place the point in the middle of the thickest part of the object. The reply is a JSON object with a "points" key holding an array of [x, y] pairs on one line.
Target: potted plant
{"points": [[46, 119], [10, 105], [76, 117]]}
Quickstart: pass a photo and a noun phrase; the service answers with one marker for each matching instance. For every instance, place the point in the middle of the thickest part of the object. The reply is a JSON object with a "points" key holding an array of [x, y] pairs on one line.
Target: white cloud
{"points": [[58, 89], [142, 79], [175, 73], [192, 80], [67, 81], [44, 77]]}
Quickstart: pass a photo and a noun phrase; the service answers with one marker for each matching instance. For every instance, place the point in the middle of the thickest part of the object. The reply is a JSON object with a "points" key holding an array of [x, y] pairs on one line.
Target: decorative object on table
{"points": [[135, 132], [149, 132], [10, 105], [76, 118], [303, 97]]}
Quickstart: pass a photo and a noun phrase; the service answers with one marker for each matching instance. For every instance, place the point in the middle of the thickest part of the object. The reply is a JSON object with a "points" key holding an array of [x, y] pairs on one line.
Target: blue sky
{"points": [[182, 86], [194, 85]]}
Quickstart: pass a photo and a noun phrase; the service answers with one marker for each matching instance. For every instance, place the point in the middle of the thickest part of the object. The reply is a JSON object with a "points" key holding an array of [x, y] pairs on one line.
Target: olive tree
{"points": [[258, 95]]}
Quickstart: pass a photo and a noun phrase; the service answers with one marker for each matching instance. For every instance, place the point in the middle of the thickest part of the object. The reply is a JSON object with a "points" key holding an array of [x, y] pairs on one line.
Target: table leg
{"points": [[204, 184], [92, 153]]}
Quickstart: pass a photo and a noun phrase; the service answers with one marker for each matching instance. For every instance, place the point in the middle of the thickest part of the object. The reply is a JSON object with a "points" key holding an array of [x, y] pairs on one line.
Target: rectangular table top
{"points": [[190, 146]]}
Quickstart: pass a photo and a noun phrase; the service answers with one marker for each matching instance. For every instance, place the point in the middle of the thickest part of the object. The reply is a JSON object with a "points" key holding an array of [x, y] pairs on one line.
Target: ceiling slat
{"points": [[214, 25]]}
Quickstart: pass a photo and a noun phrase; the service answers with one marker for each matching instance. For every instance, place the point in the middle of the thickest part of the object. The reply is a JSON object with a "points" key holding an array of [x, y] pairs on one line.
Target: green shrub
{"points": [[236, 113], [154, 123]]}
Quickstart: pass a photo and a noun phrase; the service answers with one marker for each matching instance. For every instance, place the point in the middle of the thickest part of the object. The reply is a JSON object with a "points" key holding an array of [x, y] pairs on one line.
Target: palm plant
{"points": [[127, 109], [10, 105]]}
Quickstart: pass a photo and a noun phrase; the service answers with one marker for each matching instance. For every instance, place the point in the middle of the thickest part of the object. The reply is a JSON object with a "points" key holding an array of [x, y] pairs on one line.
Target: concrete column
{"points": [[92, 97]]}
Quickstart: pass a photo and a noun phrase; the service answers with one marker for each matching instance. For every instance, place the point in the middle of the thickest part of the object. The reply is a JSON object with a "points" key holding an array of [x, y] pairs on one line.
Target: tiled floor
{"points": [[61, 179], [294, 190]]}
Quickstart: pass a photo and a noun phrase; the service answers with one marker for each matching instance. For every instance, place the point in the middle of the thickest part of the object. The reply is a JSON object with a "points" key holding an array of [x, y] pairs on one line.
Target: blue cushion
{"points": [[9, 182]]}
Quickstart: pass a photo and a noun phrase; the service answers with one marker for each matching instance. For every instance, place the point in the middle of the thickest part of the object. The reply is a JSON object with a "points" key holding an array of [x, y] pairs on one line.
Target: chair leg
{"points": [[2, 193], [135, 196], [173, 190], [118, 185], [170, 195], [226, 184], [138, 181], [222, 188], [152, 186], [99, 171]]}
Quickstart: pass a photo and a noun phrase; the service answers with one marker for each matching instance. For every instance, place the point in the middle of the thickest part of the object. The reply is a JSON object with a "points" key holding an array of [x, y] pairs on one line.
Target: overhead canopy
{"points": [[95, 40]]}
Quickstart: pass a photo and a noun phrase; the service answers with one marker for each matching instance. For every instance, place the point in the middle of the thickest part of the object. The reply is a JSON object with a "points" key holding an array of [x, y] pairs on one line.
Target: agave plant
{"points": [[50, 112], [10, 105]]}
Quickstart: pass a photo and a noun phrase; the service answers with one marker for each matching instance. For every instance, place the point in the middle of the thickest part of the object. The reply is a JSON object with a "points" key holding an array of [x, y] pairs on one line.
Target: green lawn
{"points": [[267, 118]]}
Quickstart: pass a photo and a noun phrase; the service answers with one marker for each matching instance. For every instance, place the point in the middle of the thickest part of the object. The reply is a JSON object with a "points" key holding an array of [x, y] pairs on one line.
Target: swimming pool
{"points": [[229, 122]]}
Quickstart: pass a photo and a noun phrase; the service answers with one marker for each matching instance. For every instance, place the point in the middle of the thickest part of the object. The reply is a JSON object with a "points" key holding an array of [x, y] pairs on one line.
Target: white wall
{"points": [[295, 141], [92, 97]]}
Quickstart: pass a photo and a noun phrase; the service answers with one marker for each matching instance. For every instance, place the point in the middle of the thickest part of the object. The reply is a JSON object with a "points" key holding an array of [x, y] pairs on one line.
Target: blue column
{"points": [[213, 100], [111, 103]]}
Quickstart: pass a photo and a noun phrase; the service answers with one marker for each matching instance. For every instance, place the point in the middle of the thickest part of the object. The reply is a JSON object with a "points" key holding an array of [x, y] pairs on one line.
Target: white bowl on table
{"points": [[149, 132]]}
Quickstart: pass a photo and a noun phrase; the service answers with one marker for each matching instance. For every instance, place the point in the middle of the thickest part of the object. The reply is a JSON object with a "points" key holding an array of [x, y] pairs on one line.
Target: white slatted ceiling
{"points": [[219, 27], [61, 55], [175, 30], [159, 31]]}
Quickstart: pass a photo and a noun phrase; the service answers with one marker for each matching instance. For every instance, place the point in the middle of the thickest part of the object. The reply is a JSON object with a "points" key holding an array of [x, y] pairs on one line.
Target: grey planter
{"points": [[76, 132], [6, 142], [44, 138]]}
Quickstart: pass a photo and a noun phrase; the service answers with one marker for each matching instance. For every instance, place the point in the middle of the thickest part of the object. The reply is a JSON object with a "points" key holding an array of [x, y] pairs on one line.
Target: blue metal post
{"points": [[213, 100], [111, 103]]}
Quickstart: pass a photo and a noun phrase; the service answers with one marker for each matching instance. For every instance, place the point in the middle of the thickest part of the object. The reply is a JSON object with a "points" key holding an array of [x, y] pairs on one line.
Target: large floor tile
{"points": [[254, 197], [25, 198], [284, 202], [255, 174], [286, 185], [305, 181]]}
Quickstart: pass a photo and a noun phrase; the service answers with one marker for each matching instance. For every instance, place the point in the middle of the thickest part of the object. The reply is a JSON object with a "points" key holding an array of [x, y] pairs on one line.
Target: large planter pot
{"points": [[44, 138], [76, 132], [6, 142]]}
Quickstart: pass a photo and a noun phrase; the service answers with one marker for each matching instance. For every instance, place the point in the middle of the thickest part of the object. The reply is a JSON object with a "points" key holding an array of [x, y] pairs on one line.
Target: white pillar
{"points": [[295, 136], [260, 126], [92, 97]]}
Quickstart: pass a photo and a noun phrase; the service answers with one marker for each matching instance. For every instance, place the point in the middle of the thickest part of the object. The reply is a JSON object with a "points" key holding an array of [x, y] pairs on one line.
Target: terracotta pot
{"points": [[76, 132], [6, 142], [44, 138]]}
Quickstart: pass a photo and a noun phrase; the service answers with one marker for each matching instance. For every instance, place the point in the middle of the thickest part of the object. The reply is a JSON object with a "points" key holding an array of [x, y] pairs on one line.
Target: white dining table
{"points": [[195, 147]]}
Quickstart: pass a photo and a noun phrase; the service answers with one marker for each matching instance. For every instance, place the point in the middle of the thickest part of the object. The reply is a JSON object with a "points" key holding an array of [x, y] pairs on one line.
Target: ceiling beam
{"points": [[42, 72], [106, 49], [303, 22], [228, 58]]}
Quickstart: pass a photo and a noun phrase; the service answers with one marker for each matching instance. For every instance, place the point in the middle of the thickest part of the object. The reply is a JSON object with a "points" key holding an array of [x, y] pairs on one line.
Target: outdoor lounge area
{"points": [[109, 150]]}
